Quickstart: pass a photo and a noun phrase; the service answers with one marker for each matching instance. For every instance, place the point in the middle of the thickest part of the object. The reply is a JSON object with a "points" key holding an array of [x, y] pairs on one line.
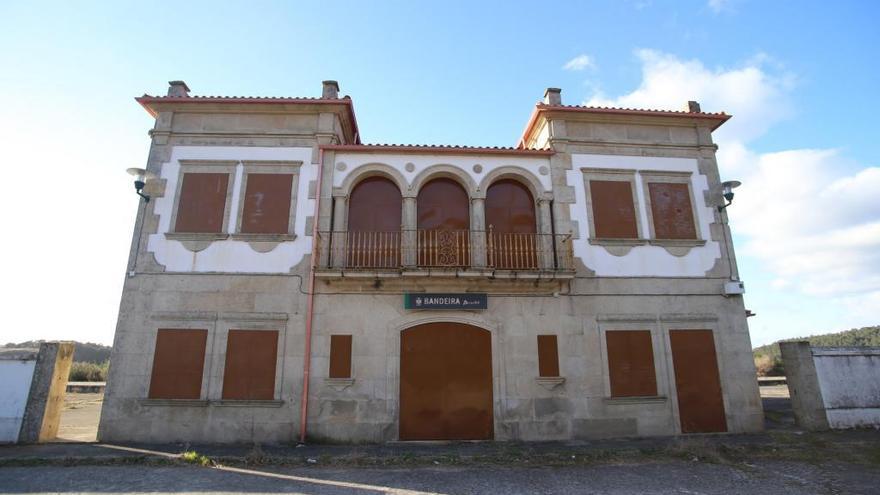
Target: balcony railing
{"points": [[451, 249]]}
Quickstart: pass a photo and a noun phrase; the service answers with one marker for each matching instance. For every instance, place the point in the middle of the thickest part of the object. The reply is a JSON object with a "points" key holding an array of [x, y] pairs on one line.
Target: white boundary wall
{"points": [[849, 378], [15, 385]]}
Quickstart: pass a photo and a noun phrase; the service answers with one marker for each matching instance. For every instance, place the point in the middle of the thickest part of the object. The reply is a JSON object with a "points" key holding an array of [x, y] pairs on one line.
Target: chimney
{"points": [[178, 89], [693, 107], [553, 96], [330, 91]]}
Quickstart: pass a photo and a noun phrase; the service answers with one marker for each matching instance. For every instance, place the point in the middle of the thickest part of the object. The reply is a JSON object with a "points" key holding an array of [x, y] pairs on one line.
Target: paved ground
{"points": [[79, 418], [777, 477]]}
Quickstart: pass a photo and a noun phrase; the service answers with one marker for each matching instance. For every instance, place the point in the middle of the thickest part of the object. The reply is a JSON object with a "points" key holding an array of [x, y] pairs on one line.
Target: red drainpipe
{"points": [[307, 361]]}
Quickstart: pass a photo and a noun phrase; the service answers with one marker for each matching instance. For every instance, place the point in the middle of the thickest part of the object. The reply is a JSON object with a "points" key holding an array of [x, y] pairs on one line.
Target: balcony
{"points": [[459, 253]]}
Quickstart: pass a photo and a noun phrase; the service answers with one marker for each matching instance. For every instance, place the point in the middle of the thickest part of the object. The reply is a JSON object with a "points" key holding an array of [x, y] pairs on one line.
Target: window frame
{"points": [[555, 339], [670, 177], [659, 351], [350, 356], [223, 348], [289, 167], [180, 325], [204, 167], [616, 246]]}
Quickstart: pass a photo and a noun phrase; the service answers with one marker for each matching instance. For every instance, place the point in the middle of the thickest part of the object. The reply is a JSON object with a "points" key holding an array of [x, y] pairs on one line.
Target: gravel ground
{"points": [[648, 478]]}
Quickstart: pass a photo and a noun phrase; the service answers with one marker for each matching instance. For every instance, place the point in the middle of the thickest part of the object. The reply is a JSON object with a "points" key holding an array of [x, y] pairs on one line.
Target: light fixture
{"points": [[140, 179], [727, 188]]}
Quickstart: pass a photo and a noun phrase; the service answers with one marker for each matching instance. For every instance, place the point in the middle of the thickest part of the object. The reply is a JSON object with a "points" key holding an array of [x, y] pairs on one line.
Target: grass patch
{"points": [[193, 457]]}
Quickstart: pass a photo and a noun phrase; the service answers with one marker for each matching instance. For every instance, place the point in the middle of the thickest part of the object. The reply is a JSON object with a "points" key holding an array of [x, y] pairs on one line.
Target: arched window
{"points": [[511, 227], [443, 224], [374, 218]]}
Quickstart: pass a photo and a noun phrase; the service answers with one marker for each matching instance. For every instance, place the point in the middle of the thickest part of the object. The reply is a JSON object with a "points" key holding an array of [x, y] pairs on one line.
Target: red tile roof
{"points": [[439, 148], [720, 117]]}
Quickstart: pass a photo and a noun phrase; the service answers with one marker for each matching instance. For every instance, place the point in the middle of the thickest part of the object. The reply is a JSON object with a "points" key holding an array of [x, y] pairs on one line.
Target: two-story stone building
{"points": [[287, 281]]}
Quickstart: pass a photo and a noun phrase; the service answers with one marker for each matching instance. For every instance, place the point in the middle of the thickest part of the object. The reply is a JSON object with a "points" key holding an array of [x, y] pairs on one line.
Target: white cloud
{"points": [[581, 62], [809, 216], [719, 6]]}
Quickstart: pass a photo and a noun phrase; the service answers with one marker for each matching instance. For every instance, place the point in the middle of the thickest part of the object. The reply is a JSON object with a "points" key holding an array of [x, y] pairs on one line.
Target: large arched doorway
{"points": [[511, 227], [374, 214], [445, 382], [444, 224]]}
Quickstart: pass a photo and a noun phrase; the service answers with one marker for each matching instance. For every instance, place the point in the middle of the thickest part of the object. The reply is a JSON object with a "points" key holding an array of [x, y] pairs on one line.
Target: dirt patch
{"points": [[79, 417]]}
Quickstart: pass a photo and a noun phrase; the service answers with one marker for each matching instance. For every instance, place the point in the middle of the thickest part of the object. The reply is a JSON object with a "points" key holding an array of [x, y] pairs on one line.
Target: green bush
{"points": [[88, 372]]}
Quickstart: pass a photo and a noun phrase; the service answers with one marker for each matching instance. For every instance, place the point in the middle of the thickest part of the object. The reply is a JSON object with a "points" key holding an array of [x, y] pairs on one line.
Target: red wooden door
{"points": [[374, 219], [700, 403], [445, 382]]}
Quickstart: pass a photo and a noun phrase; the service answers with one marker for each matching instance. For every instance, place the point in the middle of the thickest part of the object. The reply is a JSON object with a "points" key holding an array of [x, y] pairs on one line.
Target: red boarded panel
{"points": [[444, 222], [267, 204], [511, 226], [548, 356], [700, 404], [671, 211], [631, 363], [250, 365], [614, 214], [374, 224], [178, 363], [202, 202], [445, 383], [340, 356]]}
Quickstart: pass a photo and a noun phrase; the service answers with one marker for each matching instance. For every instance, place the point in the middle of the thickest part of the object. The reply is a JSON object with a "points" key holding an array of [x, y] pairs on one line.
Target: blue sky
{"points": [[798, 76]]}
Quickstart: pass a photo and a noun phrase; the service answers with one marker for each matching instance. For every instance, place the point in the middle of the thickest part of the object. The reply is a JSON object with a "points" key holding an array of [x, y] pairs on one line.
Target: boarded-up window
{"points": [[267, 204], [202, 202], [614, 214], [178, 363], [548, 356], [340, 356], [671, 211], [631, 363], [250, 365]]}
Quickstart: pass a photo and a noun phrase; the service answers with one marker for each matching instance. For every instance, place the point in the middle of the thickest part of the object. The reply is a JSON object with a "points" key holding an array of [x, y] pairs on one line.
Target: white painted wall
{"points": [[849, 379], [422, 162], [231, 255], [15, 384], [642, 261]]}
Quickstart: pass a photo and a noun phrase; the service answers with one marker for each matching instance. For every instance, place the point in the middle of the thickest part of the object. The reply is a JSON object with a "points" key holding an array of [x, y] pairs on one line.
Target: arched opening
{"points": [[374, 214], [446, 382], [511, 226], [443, 224]]}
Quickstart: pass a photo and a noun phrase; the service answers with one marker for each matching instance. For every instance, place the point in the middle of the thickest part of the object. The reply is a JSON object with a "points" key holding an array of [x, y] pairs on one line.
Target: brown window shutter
{"points": [[340, 356], [671, 211], [631, 363], [202, 202], [178, 363], [267, 204], [614, 214], [250, 365], [548, 356]]}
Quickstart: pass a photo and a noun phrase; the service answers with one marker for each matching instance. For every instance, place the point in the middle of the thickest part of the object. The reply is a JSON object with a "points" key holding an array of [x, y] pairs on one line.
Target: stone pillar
{"points": [[409, 232], [42, 415], [545, 240], [338, 237], [803, 385], [478, 233]]}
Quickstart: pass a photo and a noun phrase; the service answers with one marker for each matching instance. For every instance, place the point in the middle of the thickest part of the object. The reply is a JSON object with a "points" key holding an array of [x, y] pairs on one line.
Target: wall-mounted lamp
{"points": [[140, 179], [727, 188]]}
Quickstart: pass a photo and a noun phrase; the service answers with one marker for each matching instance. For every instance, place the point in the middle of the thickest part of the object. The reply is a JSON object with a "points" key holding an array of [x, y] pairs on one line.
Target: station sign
{"points": [[468, 300]]}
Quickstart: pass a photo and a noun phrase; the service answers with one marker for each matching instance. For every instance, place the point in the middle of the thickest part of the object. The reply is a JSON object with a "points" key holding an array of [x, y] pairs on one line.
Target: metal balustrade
{"points": [[453, 249]]}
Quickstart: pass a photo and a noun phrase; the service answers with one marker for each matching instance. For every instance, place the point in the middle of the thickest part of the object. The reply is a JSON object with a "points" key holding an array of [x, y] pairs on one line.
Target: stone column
{"points": [[478, 233], [337, 241], [545, 241], [409, 234], [803, 385]]}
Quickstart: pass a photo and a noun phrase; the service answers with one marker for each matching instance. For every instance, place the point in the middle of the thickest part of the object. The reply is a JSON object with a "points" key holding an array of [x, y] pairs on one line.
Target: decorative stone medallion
{"points": [[478, 168], [543, 170], [409, 167], [341, 166]]}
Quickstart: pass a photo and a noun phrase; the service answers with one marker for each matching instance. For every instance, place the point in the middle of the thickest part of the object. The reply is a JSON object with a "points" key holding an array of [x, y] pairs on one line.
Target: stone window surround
{"points": [[267, 167], [218, 326], [617, 247], [625, 323], [677, 247], [691, 322], [198, 241], [621, 247]]}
